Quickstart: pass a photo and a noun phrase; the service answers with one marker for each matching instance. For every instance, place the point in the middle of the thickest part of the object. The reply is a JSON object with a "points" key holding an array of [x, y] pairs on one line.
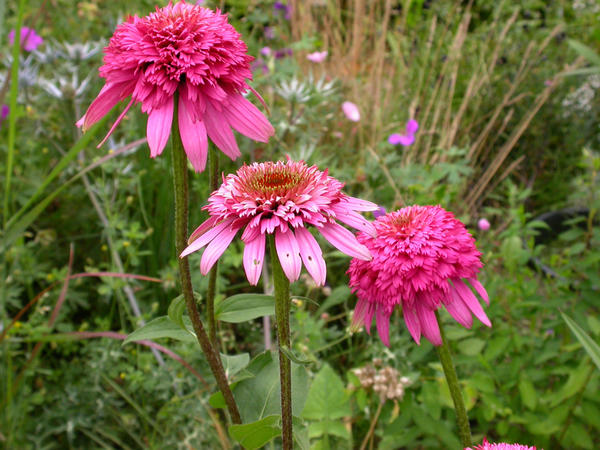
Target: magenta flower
{"points": [[422, 258], [379, 212], [189, 53], [500, 446], [4, 112], [351, 111], [483, 224], [281, 199], [266, 51], [29, 39], [317, 57], [405, 139]]}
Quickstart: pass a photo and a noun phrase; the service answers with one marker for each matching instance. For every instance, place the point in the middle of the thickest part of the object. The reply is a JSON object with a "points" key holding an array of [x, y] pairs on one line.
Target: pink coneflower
{"points": [[281, 199], [351, 111], [317, 57], [422, 258], [483, 224], [30, 40], [192, 53], [500, 446], [405, 139]]}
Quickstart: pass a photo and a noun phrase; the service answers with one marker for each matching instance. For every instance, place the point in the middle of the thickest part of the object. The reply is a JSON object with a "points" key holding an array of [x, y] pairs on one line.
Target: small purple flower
{"points": [[282, 53], [483, 224], [269, 33], [29, 39], [405, 139], [287, 10], [259, 65], [379, 212], [317, 57], [266, 51], [4, 111]]}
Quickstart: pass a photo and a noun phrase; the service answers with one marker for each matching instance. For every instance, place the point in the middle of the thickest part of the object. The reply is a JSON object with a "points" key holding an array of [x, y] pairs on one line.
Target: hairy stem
{"points": [[464, 429], [282, 317], [180, 181], [213, 175]]}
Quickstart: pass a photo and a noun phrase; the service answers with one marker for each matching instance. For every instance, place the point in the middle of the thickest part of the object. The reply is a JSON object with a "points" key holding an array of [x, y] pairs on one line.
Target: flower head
{"points": [[405, 139], [187, 52], [351, 111], [283, 199], [4, 112], [317, 57], [380, 211], [483, 224], [422, 256], [500, 446], [29, 39]]}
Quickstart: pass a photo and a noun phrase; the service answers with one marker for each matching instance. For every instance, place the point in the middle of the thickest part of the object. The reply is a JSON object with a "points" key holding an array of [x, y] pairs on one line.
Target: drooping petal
{"points": [[114, 125], [247, 119], [429, 324], [412, 323], [288, 253], [203, 228], [205, 238], [458, 310], [344, 241], [193, 136], [471, 301], [480, 289], [220, 133], [216, 248], [158, 127], [312, 256], [108, 97], [254, 255], [355, 220], [383, 326], [358, 204]]}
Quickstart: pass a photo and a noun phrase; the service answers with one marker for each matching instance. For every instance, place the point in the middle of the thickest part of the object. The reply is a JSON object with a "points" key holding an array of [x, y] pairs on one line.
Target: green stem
{"points": [[180, 181], [464, 429], [282, 317], [213, 177]]}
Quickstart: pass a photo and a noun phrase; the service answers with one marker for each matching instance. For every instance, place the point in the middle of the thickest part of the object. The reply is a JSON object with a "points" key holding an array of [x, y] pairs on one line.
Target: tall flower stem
{"points": [[464, 429], [282, 317], [213, 180], [180, 181]]}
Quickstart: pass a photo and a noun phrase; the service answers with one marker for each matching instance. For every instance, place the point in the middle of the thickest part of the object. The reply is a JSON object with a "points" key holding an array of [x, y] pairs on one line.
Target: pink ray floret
{"points": [[186, 54], [284, 199], [423, 257], [500, 446]]}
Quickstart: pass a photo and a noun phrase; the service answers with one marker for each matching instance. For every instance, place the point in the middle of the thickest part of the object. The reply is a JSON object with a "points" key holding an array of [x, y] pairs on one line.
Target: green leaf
{"points": [[176, 310], [327, 398], [256, 434], [331, 427], [528, 393], [161, 327], [592, 349], [339, 295], [471, 347], [575, 383], [232, 364], [243, 307], [587, 52], [298, 360]]}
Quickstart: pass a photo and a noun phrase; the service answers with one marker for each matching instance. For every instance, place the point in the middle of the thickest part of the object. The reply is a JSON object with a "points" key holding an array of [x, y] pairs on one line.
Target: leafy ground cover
{"points": [[507, 110]]}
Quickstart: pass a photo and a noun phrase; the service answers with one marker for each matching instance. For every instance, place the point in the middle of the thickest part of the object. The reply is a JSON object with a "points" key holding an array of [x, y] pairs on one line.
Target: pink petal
{"points": [[471, 301], [396, 139], [351, 111], [355, 220], [246, 118], [117, 122], [412, 323], [412, 126], [480, 289], [158, 127], [108, 97], [216, 248], [288, 252], [220, 133], [358, 316], [254, 255], [345, 241], [205, 238], [383, 326], [312, 256], [458, 310], [193, 135], [203, 228], [429, 324], [358, 204]]}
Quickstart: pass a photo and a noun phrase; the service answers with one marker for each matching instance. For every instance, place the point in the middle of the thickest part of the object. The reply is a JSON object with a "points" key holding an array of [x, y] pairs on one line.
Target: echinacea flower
{"points": [[500, 446], [317, 57], [483, 224], [423, 257], [30, 40], [405, 139], [351, 111], [284, 199], [189, 53]]}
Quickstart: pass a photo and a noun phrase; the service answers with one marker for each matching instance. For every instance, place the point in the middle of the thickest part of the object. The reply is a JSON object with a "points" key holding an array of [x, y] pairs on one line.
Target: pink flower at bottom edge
{"points": [[423, 258], [190, 53], [285, 200], [500, 446]]}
